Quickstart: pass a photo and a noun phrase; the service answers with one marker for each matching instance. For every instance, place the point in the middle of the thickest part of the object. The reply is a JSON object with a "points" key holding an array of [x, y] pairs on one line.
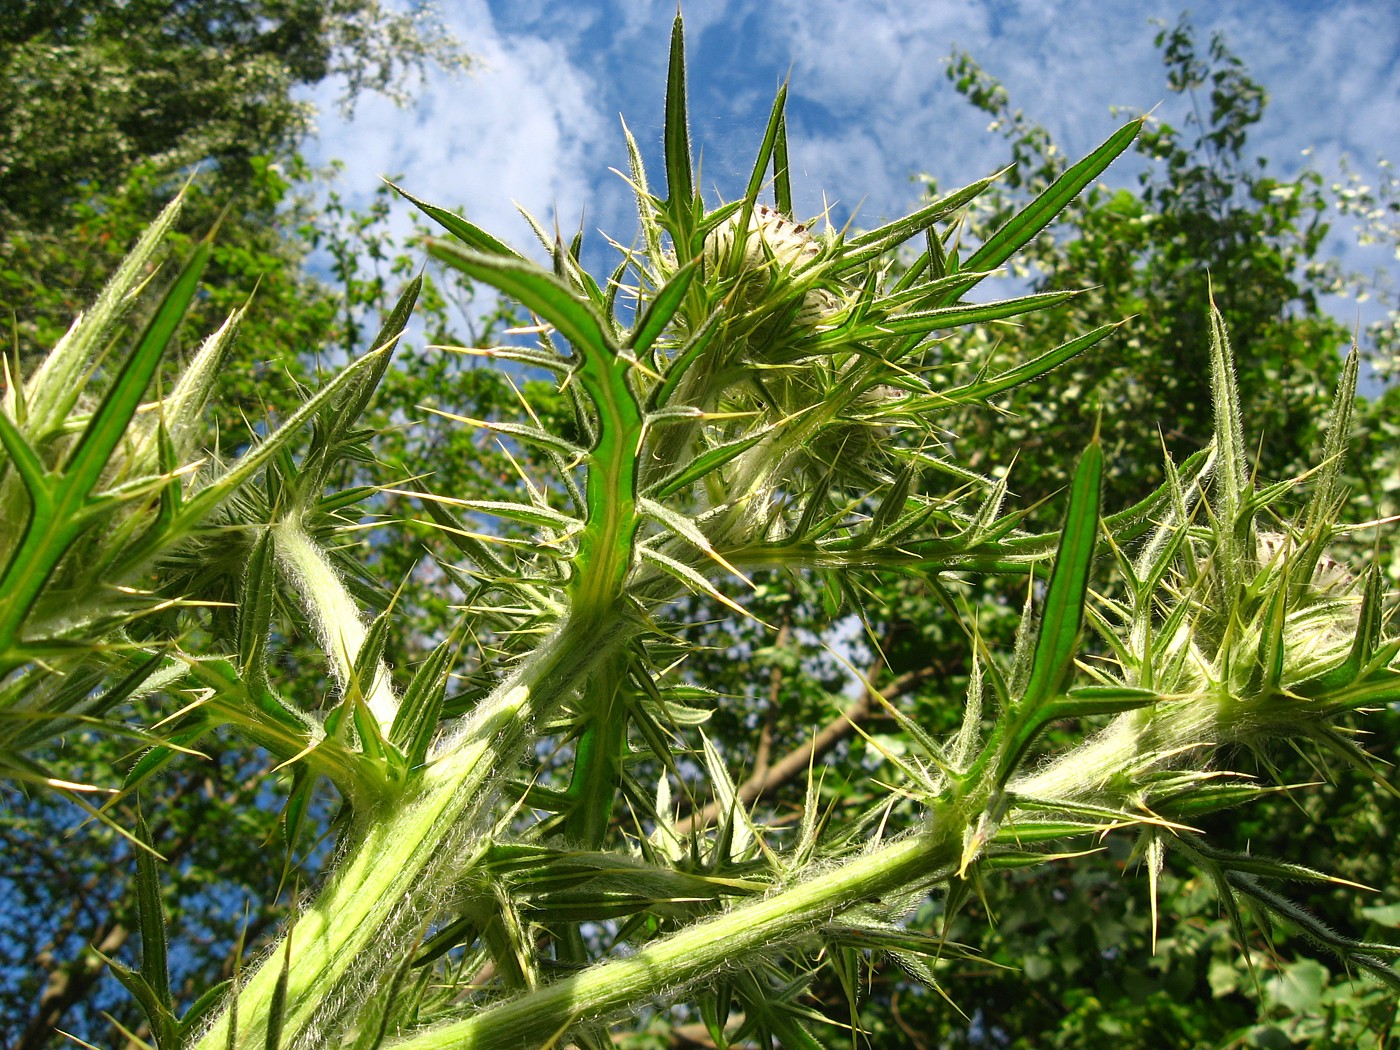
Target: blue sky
{"points": [[870, 105]]}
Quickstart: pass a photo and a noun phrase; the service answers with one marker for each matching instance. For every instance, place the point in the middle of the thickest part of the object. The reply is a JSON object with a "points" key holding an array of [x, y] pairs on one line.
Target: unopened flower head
{"points": [[778, 255], [1321, 621]]}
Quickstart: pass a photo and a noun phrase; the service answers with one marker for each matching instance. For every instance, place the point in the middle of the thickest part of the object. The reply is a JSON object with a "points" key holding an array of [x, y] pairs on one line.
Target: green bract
{"points": [[741, 395]]}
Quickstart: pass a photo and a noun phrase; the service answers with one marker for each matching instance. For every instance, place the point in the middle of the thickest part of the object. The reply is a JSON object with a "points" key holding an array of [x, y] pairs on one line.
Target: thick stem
{"points": [[618, 986], [410, 854], [598, 763], [1126, 749], [377, 893]]}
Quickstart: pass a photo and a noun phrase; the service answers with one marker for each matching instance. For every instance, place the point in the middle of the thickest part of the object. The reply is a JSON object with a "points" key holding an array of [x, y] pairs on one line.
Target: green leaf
{"points": [[1063, 614], [646, 203], [892, 504], [28, 463], [873, 245], [1364, 644], [920, 323], [1033, 369], [202, 503], [470, 234], [200, 1010], [679, 180], [520, 431], [687, 357], [108, 425], [1325, 487], [415, 723], [155, 952], [761, 162], [662, 308], [538, 291], [706, 463], [277, 1006], [345, 411], [782, 173], [1087, 700], [295, 811], [1052, 659], [369, 666], [525, 513], [162, 1022], [156, 758], [54, 389], [1229, 434], [255, 611], [1019, 231]]}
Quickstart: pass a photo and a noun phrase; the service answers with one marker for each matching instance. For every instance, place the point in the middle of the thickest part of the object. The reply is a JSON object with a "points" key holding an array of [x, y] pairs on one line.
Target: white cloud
{"points": [[519, 128], [870, 103]]}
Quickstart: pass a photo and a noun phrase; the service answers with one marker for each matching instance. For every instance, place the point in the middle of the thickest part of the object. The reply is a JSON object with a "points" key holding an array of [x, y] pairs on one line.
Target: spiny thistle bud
{"points": [[1255, 638], [1329, 577], [1322, 619], [778, 256]]}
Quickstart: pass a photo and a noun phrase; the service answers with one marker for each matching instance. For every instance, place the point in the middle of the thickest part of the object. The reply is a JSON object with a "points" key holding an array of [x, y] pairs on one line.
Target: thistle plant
{"points": [[748, 394]]}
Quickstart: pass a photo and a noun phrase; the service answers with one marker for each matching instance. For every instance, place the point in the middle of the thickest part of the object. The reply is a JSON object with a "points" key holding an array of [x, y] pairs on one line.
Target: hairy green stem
{"points": [[697, 952], [598, 762], [388, 884]]}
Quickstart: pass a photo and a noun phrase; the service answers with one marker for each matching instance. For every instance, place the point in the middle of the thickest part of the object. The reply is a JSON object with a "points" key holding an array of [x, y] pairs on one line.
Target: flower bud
{"points": [[777, 256]]}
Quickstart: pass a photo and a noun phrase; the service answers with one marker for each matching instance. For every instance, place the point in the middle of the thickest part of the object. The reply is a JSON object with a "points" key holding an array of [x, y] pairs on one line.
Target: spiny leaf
{"points": [[765, 155], [469, 233], [255, 611], [108, 425], [782, 175], [706, 463], [1334, 448], [537, 290], [872, 245], [202, 503], [1041, 212], [157, 1016], [345, 411], [200, 1010], [1033, 369], [694, 580], [662, 308], [535, 357], [54, 388], [525, 513], [1052, 658], [528, 434], [920, 323], [155, 952], [1069, 583], [646, 204], [1363, 645], [687, 356], [1229, 432], [684, 527], [415, 723], [679, 184]]}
